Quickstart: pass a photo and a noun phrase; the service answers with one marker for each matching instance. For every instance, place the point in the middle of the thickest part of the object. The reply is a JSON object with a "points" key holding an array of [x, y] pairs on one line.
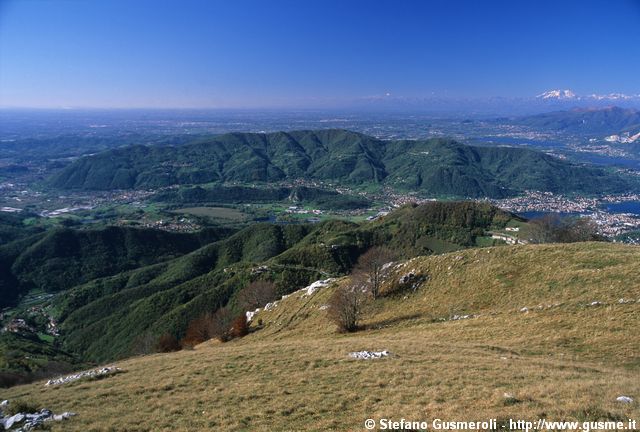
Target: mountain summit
{"points": [[568, 95], [557, 95]]}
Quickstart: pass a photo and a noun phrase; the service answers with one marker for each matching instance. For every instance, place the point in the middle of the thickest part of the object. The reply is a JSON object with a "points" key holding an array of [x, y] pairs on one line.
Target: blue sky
{"points": [[277, 53]]}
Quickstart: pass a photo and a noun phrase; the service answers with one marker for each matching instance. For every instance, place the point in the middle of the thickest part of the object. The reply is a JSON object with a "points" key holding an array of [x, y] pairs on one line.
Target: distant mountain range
{"points": [[587, 121], [434, 167], [568, 95], [550, 100]]}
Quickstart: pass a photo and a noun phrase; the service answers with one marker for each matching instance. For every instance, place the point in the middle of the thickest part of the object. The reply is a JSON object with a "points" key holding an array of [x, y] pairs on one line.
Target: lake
{"points": [[632, 207]]}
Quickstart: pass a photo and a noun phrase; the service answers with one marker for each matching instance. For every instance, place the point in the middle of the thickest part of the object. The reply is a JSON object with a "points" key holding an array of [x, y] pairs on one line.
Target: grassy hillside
{"points": [[432, 167], [561, 360]]}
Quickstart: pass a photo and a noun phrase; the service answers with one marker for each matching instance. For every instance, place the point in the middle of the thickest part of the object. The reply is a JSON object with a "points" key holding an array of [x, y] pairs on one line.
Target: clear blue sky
{"points": [[245, 53]]}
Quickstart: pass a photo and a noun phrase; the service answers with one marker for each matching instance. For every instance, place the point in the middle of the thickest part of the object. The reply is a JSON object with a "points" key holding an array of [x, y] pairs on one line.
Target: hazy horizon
{"points": [[257, 55]]}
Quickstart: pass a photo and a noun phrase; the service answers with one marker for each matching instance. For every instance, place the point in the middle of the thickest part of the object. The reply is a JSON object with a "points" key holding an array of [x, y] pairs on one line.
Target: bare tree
{"points": [[345, 308], [369, 270], [256, 294], [579, 230]]}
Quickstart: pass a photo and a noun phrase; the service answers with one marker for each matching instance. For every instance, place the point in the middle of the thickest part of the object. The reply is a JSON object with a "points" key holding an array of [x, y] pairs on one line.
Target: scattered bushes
{"points": [[347, 303], [200, 329], [221, 325], [214, 325]]}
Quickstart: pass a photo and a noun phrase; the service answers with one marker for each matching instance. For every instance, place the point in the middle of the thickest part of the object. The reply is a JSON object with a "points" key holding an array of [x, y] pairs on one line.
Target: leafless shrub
{"points": [[216, 325], [345, 308]]}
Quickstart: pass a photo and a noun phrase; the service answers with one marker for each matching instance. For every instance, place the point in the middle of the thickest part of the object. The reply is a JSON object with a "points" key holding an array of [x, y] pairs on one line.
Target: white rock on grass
{"points": [[251, 314], [311, 289], [461, 317], [306, 291], [407, 277], [387, 266], [624, 399], [369, 355], [85, 374], [30, 421]]}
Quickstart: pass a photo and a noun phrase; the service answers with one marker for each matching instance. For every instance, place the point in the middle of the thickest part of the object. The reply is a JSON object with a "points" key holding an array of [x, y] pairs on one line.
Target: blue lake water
{"points": [[520, 141], [632, 207], [539, 214], [608, 160]]}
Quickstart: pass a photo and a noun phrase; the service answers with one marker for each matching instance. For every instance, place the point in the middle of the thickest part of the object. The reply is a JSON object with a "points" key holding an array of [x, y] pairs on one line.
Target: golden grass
{"points": [[569, 361]]}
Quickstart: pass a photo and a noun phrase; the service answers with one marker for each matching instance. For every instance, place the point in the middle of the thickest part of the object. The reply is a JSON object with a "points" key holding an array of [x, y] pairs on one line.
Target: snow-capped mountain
{"points": [[568, 95], [613, 96], [548, 101], [557, 95]]}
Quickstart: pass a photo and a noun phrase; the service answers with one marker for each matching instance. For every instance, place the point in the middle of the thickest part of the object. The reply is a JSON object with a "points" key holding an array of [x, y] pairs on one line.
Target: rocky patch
{"points": [[304, 292], [22, 422], [369, 355], [94, 373]]}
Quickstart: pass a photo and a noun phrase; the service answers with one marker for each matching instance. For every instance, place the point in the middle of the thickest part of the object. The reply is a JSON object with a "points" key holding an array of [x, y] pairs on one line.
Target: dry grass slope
{"points": [[563, 359]]}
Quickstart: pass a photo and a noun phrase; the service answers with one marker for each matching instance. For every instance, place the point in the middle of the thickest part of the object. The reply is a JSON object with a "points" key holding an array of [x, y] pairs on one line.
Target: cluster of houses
{"points": [[20, 325], [509, 238]]}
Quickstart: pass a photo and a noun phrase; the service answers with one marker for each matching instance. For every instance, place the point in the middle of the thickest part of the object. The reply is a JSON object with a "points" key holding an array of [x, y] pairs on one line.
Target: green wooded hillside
{"points": [[62, 258], [432, 167]]}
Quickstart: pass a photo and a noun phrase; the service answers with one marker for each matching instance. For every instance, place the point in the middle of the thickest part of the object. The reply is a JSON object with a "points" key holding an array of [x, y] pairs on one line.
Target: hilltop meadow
{"points": [[524, 332]]}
